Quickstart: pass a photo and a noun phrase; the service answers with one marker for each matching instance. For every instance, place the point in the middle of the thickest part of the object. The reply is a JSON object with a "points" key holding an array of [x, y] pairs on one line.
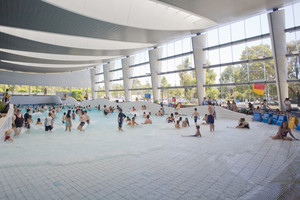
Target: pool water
{"points": [[101, 139]]}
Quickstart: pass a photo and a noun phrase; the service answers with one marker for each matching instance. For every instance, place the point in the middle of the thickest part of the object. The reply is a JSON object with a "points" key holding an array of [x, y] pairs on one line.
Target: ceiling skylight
{"points": [[72, 41], [60, 57], [146, 14], [47, 65]]}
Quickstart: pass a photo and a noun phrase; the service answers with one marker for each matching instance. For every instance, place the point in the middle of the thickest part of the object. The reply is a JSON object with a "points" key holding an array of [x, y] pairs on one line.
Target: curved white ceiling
{"points": [[72, 41], [146, 14], [48, 65], [60, 57]]}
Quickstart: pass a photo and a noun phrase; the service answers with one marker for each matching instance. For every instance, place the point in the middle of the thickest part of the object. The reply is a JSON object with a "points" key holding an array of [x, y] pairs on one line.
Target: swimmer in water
{"points": [[68, 121], [177, 125], [121, 117], [82, 121], [7, 135], [87, 117], [132, 122], [197, 133], [195, 115], [73, 115], [185, 123], [64, 118], [147, 120], [38, 122]]}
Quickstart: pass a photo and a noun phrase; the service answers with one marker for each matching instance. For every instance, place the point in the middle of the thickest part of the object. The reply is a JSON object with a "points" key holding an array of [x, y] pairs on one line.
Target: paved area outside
{"points": [[216, 166]]}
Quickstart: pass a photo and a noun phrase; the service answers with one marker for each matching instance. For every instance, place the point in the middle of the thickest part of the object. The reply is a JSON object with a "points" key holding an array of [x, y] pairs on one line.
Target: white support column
{"points": [[155, 67], [107, 78], [276, 25], [127, 72], [199, 60], [93, 82]]}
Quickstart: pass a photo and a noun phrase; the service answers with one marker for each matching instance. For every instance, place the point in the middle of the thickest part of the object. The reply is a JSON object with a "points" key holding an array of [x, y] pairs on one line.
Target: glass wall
{"points": [[140, 76], [239, 53], [178, 70], [292, 15]]}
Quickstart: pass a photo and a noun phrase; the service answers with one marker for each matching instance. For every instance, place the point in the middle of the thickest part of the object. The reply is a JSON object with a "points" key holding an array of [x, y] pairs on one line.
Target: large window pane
{"points": [[214, 57], [238, 31], [264, 24], [225, 54], [237, 52], [252, 26], [289, 18], [224, 34], [297, 14], [187, 45], [141, 83], [293, 67], [212, 38], [256, 71]]}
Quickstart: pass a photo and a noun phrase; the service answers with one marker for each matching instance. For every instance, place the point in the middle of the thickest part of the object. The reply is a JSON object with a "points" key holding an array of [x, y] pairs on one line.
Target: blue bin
{"points": [[274, 119], [298, 126], [281, 118], [266, 118], [257, 117]]}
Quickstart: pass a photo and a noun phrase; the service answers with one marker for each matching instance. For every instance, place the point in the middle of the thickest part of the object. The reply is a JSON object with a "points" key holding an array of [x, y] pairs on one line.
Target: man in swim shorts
{"points": [[49, 123], [82, 120], [211, 119]]}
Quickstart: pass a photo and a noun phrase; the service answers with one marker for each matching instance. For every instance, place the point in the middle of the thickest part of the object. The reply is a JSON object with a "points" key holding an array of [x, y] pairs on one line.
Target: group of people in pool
{"points": [[18, 121]]}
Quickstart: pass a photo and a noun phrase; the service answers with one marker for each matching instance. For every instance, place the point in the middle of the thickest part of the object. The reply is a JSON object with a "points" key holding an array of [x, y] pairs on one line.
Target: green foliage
{"points": [[187, 78], [75, 96], [117, 94], [36, 91], [23, 90], [252, 71], [210, 79]]}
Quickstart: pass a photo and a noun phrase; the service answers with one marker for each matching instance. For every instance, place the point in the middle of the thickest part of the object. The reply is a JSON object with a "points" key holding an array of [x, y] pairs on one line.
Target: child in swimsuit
{"points": [[196, 115], [243, 124], [7, 135]]}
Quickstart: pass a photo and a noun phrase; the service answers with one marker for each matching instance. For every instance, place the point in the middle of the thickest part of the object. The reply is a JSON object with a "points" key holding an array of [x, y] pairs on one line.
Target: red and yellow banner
{"points": [[259, 88]]}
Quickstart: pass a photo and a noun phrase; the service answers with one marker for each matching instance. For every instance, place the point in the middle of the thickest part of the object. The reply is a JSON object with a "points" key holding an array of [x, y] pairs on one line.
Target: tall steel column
{"points": [[93, 82], [107, 78], [277, 25], [127, 72], [199, 60], [155, 67]]}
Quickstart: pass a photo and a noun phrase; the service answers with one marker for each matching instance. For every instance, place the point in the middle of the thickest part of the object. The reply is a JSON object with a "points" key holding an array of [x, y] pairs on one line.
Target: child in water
{"points": [[38, 122], [197, 133], [177, 125], [7, 135]]}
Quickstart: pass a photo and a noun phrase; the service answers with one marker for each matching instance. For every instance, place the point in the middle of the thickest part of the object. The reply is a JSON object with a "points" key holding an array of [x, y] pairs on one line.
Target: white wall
{"points": [[68, 79], [49, 99]]}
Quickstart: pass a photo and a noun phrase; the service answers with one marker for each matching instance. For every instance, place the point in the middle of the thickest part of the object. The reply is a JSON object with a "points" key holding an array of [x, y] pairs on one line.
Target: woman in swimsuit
{"points": [[68, 121], [282, 133], [171, 118], [18, 122], [185, 123]]}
